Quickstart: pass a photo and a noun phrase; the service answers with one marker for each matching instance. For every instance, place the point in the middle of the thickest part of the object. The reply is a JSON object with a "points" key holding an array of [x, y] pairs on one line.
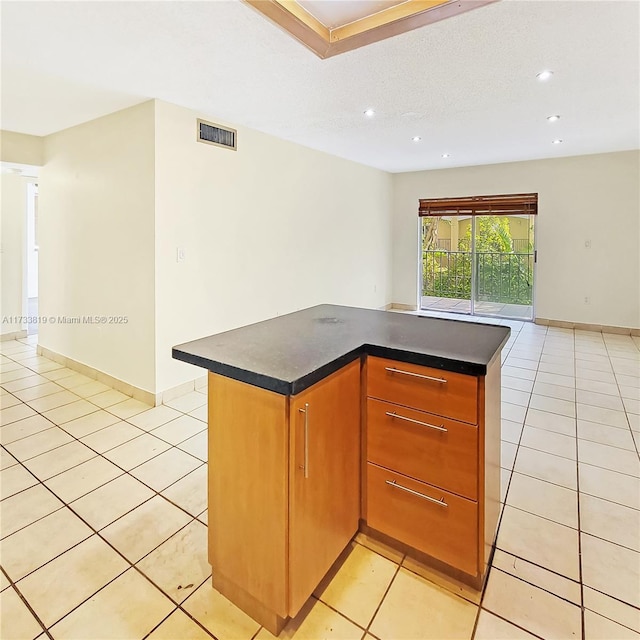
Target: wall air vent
{"points": [[211, 133]]}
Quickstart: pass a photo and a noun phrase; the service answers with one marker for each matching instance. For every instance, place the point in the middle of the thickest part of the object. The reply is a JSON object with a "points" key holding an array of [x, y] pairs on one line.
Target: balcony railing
{"points": [[444, 244], [519, 245], [500, 277]]}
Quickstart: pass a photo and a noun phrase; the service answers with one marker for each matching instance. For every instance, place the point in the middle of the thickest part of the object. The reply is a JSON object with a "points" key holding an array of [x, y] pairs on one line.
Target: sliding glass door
{"points": [[503, 261], [446, 264], [478, 264]]}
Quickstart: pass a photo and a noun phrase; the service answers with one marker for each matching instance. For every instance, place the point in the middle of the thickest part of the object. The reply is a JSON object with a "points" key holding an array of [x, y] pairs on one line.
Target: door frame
{"points": [[474, 275]]}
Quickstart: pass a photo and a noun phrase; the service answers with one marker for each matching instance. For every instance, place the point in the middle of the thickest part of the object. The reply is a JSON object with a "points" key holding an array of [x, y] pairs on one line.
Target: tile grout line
{"points": [[518, 444], [99, 455], [24, 601], [87, 399], [626, 413], [495, 544], [184, 611], [514, 624], [97, 533], [536, 586], [76, 438], [577, 496], [340, 613], [94, 530], [375, 613], [125, 472], [175, 446], [504, 504], [255, 635], [577, 499], [582, 619], [131, 564], [539, 566], [79, 440]]}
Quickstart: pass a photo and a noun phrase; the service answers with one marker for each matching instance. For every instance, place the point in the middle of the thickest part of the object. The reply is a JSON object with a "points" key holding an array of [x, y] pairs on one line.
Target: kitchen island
{"points": [[334, 419]]}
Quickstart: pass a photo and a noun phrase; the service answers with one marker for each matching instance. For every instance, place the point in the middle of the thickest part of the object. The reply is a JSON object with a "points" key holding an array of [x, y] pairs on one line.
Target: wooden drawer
{"points": [[444, 393], [444, 454], [448, 533]]}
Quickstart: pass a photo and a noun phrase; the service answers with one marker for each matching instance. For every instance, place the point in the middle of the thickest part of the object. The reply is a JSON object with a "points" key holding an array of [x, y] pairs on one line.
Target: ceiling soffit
{"points": [[325, 42]]}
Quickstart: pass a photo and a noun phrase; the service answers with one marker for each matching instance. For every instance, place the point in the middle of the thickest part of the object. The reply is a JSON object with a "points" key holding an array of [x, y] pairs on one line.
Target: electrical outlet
{"points": [[587, 300], [181, 254]]}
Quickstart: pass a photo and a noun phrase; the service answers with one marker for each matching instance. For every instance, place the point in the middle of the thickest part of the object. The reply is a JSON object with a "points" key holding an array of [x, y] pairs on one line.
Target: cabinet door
{"points": [[324, 479]]}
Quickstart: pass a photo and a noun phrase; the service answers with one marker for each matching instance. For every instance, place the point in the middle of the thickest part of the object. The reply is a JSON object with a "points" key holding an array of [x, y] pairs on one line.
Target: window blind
{"points": [[500, 205]]}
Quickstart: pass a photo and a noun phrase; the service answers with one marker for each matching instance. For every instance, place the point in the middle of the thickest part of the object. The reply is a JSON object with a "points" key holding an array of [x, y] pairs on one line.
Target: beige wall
{"points": [[584, 198], [96, 217], [275, 227], [268, 229], [21, 148], [13, 241]]}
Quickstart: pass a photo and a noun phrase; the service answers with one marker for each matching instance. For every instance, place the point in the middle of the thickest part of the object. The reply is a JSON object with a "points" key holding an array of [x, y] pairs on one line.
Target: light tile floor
{"points": [[103, 513]]}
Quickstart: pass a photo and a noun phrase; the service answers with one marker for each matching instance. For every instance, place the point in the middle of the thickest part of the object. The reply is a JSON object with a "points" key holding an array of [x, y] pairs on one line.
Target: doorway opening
{"points": [[478, 255]]}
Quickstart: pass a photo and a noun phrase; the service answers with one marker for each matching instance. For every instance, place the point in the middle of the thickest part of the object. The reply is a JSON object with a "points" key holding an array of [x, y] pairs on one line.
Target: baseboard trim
{"points": [[182, 389], [177, 391], [115, 383], [154, 399], [402, 307], [584, 326], [13, 335]]}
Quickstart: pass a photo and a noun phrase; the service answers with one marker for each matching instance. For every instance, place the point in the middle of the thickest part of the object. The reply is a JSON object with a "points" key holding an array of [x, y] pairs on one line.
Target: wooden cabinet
{"points": [[444, 393], [424, 446], [410, 452], [284, 489], [427, 518], [432, 472], [324, 479]]}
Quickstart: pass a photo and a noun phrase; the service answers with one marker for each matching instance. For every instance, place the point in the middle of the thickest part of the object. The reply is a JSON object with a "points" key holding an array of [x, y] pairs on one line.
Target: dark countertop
{"points": [[290, 353]]}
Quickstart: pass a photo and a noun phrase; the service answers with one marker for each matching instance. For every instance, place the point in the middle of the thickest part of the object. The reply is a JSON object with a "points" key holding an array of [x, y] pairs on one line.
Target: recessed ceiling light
{"points": [[369, 113], [553, 118], [446, 155], [558, 141], [416, 138], [545, 75]]}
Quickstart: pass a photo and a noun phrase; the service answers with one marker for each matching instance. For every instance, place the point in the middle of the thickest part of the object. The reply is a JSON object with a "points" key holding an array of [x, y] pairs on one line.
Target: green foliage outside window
{"points": [[504, 267]]}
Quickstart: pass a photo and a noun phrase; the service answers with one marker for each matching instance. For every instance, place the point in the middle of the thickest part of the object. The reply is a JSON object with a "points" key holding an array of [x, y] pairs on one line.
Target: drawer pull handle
{"points": [[416, 375], [306, 439], [393, 414], [395, 485]]}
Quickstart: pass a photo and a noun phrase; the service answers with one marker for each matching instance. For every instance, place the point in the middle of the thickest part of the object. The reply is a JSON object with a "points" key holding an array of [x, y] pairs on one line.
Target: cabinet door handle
{"points": [[395, 485], [415, 375], [393, 414], [306, 439]]}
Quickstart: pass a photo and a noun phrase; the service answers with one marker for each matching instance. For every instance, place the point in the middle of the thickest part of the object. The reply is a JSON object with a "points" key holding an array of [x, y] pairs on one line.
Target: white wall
{"points": [[268, 229], [581, 198], [96, 217], [21, 148], [31, 245], [13, 217]]}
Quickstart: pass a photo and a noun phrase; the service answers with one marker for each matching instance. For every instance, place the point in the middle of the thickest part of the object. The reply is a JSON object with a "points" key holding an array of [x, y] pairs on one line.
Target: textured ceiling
{"points": [[466, 85]]}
